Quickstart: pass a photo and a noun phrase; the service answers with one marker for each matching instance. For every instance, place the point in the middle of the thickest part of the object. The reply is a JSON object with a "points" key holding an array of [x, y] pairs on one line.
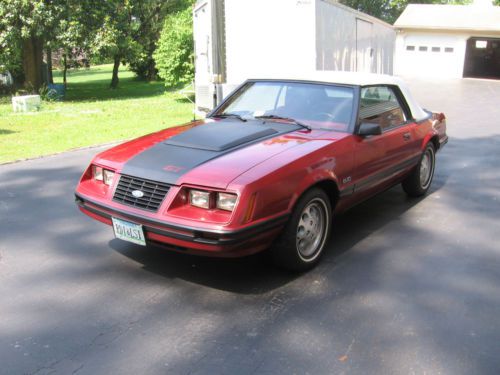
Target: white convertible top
{"points": [[358, 79]]}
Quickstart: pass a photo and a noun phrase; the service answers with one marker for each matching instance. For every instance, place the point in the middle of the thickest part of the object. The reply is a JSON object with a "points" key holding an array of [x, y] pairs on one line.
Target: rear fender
{"points": [[430, 137], [437, 133]]}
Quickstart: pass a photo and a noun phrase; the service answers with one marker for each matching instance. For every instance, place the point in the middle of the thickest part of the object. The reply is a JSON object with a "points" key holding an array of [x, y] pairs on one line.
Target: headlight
{"points": [[97, 172], [199, 198], [104, 175], [226, 201], [108, 177]]}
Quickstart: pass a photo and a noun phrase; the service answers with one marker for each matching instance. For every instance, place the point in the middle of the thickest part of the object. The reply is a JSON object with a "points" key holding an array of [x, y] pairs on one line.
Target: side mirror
{"points": [[369, 128]]}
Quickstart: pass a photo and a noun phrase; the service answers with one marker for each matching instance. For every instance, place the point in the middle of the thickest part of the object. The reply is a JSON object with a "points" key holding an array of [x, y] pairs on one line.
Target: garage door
{"points": [[431, 56], [482, 58]]}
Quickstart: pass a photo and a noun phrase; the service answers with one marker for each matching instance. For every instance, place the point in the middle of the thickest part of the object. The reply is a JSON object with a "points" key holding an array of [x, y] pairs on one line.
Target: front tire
{"points": [[306, 234], [420, 179]]}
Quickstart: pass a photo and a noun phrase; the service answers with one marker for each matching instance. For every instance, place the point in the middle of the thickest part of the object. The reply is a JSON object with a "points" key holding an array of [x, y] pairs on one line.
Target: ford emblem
{"points": [[137, 193]]}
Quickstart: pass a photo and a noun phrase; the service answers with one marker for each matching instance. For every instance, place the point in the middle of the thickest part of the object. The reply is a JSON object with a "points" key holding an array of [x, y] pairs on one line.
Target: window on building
{"points": [[481, 43], [436, 49], [422, 48], [380, 105], [410, 48], [448, 49]]}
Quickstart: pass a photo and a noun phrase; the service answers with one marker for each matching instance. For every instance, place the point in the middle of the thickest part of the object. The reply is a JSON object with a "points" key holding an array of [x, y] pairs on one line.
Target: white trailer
{"points": [[240, 39]]}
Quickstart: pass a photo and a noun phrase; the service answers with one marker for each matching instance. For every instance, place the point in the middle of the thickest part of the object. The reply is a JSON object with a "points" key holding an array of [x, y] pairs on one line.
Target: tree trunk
{"points": [[151, 73], [50, 76], [114, 79], [65, 69], [32, 63]]}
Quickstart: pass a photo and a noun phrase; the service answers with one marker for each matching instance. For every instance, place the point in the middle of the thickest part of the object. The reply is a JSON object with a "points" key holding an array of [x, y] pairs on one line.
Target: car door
{"points": [[380, 159]]}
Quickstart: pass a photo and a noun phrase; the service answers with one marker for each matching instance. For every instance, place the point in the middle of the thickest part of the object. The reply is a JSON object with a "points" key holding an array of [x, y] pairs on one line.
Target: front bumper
{"points": [[228, 243]]}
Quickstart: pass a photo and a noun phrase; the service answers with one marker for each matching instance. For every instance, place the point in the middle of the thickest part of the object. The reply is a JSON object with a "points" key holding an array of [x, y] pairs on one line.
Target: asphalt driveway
{"points": [[407, 286]]}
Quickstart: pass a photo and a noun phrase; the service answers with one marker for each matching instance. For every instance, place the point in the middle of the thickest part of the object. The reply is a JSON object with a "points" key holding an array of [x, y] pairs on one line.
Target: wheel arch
{"points": [[329, 186], [435, 141], [331, 189], [432, 137]]}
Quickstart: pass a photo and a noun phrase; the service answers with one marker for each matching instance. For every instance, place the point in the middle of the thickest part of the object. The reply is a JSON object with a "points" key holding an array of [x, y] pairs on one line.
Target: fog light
{"points": [[108, 176], [226, 201], [98, 173], [199, 198]]}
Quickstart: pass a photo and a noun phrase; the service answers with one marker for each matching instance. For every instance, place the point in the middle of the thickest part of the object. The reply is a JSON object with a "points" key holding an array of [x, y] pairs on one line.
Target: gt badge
{"points": [[173, 168]]}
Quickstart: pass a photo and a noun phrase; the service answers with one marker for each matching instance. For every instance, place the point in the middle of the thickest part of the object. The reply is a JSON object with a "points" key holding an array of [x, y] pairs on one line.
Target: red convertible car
{"points": [[268, 168]]}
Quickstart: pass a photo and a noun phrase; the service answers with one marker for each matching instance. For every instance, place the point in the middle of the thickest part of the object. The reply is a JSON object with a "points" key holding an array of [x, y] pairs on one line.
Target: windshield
{"points": [[316, 105]]}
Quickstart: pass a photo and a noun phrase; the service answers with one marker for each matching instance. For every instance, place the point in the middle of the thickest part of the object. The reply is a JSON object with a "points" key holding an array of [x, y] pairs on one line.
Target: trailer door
{"points": [[364, 49]]}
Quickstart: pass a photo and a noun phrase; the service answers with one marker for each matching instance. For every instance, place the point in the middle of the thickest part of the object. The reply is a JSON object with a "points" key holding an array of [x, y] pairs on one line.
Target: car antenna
{"points": [[187, 92]]}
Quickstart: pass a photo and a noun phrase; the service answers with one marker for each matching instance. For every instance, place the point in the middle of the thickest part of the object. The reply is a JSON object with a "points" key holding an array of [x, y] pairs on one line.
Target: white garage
{"points": [[448, 41]]}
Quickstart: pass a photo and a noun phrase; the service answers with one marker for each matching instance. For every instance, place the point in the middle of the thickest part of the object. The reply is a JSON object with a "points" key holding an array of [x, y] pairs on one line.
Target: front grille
{"points": [[154, 192]]}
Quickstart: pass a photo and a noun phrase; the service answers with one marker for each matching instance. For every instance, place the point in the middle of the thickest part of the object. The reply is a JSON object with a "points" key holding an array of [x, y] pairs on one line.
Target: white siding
{"points": [[344, 39], [266, 38], [335, 38], [202, 32], [263, 37], [384, 45]]}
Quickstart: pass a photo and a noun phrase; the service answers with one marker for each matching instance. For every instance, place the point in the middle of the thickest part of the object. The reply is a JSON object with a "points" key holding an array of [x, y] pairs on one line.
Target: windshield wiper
{"points": [[289, 119], [227, 115]]}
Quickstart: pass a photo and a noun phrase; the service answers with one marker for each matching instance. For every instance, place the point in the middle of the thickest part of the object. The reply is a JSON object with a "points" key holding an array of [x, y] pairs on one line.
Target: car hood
{"points": [[205, 153]]}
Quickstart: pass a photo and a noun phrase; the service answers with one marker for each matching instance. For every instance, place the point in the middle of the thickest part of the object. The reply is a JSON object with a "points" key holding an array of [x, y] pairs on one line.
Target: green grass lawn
{"points": [[91, 114]]}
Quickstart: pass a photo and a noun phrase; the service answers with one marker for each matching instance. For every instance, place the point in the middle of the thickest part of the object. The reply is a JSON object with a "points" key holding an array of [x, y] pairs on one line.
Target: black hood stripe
{"points": [[167, 161], [221, 136]]}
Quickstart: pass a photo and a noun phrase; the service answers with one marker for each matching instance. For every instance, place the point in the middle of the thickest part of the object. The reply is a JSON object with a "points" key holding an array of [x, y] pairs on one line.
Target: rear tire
{"points": [[306, 234], [420, 179]]}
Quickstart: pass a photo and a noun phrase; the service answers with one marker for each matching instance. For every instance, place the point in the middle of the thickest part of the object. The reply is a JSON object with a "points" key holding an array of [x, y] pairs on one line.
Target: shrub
{"points": [[174, 54], [143, 65]]}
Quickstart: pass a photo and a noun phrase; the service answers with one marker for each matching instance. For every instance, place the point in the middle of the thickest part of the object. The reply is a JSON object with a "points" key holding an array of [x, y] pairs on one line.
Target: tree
{"points": [[11, 58], [75, 30], [174, 55], [115, 37], [26, 25], [150, 16]]}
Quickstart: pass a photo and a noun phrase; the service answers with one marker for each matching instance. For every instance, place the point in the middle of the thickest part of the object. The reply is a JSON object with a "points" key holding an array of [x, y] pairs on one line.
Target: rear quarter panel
{"points": [[428, 130]]}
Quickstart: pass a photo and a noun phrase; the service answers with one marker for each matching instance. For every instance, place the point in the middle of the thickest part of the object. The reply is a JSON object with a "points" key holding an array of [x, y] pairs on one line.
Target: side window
{"points": [[379, 104]]}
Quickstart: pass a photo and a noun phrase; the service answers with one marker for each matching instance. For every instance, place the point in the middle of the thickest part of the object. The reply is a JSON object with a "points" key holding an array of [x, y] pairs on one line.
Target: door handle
{"points": [[406, 136]]}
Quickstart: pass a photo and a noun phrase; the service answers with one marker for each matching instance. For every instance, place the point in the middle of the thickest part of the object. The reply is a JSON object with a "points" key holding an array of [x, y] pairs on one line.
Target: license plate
{"points": [[130, 232]]}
